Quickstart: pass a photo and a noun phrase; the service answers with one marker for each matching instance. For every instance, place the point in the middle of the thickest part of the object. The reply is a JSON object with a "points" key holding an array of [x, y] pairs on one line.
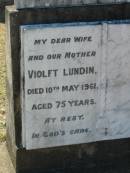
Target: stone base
{"points": [[100, 157]]}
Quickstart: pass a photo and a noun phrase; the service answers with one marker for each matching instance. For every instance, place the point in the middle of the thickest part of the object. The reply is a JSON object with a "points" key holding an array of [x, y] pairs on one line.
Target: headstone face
{"points": [[75, 83], [55, 3], [68, 83]]}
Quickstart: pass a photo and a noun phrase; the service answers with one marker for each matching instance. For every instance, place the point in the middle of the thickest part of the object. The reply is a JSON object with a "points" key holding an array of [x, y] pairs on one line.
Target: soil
{"points": [[5, 162], [2, 84]]}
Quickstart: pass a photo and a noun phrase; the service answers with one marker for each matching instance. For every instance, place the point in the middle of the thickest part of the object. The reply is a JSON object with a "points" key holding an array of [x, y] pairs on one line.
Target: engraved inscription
{"points": [[75, 83]]}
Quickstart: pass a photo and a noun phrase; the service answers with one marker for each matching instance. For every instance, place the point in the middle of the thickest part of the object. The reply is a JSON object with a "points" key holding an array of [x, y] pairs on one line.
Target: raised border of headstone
{"points": [[106, 156]]}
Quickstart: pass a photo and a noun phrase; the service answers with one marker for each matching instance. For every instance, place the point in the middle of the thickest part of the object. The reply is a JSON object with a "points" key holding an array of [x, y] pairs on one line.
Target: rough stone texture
{"points": [[54, 3], [100, 157]]}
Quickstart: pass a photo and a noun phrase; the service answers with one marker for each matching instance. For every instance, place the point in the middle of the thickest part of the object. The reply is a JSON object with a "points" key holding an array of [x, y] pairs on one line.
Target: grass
{"points": [[2, 84]]}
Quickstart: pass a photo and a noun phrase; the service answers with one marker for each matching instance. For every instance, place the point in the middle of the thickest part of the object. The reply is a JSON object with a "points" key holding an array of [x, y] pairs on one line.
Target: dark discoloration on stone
{"points": [[57, 3], [3, 3], [95, 157]]}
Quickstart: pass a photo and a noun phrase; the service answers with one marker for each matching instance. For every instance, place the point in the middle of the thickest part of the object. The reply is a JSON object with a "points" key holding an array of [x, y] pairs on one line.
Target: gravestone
{"points": [[68, 88]]}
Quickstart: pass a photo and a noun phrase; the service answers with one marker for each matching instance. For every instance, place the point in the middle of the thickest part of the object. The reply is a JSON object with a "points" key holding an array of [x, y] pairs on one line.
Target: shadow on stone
{"points": [[4, 3]]}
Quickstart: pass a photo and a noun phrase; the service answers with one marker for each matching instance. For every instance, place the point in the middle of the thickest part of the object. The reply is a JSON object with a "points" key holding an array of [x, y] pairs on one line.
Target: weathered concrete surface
{"points": [[98, 157], [54, 3], [5, 162]]}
